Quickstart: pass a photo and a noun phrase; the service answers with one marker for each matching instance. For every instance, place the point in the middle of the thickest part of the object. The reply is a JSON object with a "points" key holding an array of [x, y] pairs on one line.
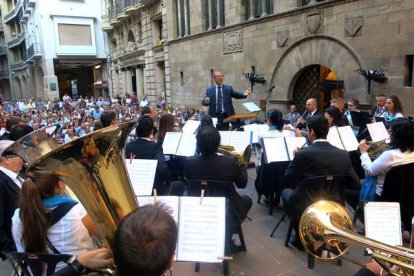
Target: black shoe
{"points": [[234, 248], [297, 243]]}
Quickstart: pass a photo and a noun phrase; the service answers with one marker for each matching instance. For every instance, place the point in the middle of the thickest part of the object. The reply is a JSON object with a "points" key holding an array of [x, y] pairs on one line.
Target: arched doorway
{"points": [[319, 82]]}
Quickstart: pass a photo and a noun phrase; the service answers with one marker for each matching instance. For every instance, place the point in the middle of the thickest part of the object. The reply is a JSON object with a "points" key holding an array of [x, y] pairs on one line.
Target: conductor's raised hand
{"points": [[247, 92], [206, 100]]}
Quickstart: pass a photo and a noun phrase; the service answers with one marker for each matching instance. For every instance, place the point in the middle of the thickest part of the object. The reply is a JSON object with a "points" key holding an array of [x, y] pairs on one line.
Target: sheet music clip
{"points": [[201, 197], [154, 192], [225, 258]]}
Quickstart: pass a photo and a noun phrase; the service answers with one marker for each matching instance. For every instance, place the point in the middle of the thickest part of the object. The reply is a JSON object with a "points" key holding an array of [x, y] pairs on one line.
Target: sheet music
{"points": [[334, 139], [201, 235], [348, 138], [187, 146], [170, 201], [383, 222], [191, 126], [171, 142], [141, 173], [378, 131], [240, 140], [275, 149], [293, 143], [251, 106], [225, 138]]}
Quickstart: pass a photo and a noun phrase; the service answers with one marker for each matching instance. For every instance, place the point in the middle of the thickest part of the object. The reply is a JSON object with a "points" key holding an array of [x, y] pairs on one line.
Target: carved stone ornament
{"points": [[233, 41], [282, 38], [314, 22], [353, 25]]}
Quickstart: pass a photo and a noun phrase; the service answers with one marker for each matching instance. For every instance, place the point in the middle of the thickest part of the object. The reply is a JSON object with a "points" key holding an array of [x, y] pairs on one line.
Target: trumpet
{"points": [[325, 226], [242, 158]]}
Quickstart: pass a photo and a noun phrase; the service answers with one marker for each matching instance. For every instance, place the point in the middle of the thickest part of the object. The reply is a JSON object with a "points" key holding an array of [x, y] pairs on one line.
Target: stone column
{"points": [[179, 14], [139, 78], [219, 13], [124, 83], [210, 14], [129, 81], [186, 18], [264, 8], [252, 8]]}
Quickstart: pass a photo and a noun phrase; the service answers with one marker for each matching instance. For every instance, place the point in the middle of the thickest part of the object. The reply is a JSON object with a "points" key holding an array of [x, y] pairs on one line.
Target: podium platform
{"points": [[240, 117]]}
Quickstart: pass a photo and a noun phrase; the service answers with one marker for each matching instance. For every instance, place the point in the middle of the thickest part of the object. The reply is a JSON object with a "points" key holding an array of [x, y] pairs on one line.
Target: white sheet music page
{"points": [[225, 138], [294, 143], [191, 126], [240, 140], [215, 120], [171, 142], [170, 201], [378, 131], [188, 144], [334, 139], [251, 106], [254, 129], [383, 222], [275, 149], [348, 138], [201, 233], [141, 173]]}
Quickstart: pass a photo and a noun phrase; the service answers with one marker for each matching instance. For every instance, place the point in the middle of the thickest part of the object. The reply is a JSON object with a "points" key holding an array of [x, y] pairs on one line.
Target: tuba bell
{"points": [[325, 226], [92, 166], [242, 158]]}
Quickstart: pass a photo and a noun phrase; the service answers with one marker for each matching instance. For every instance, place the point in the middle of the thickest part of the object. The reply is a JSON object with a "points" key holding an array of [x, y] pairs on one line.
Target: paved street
{"points": [[265, 255]]}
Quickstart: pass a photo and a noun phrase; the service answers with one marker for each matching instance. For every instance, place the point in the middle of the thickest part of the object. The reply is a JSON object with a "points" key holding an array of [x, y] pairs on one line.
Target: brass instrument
{"points": [[242, 158], [325, 226], [376, 148], [93, 167]]}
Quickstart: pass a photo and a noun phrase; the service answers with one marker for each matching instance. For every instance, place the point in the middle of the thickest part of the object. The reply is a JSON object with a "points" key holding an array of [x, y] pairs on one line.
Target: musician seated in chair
{"points": [[210, 166], [320, 159], [145, 242]]}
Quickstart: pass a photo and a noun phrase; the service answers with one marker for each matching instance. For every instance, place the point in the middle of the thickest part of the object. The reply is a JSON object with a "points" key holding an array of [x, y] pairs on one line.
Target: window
{"points": [[214, 14], [257, 8], [73, 34], [408, 71]]}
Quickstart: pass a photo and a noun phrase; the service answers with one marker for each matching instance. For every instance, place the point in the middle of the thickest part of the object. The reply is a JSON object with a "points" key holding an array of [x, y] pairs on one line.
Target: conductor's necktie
{"points": [[219, 104]]}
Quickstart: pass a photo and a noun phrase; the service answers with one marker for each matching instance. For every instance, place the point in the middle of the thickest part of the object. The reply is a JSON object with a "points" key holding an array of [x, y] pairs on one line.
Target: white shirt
{"points": [[13, 176], [68, 235], [387, 160]]}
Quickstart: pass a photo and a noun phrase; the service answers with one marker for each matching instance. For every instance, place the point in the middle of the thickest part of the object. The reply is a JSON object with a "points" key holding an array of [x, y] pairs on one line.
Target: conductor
{"points": [[218, 98]]}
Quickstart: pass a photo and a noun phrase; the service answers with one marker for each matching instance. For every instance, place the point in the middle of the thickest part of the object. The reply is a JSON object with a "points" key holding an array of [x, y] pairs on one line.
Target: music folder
{"points": [[238, 139], [177, 143], [342, 138], [378, 132], [279, 149], [360, 118], [201, 226]]}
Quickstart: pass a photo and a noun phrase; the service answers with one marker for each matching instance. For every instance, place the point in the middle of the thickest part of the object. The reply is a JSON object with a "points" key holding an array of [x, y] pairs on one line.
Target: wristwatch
{"points": [[76, 265]]}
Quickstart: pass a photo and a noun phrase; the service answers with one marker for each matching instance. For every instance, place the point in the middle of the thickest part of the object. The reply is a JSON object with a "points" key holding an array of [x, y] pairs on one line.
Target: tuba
{"points": [[93, 167], [325, 226], [242, 158]]}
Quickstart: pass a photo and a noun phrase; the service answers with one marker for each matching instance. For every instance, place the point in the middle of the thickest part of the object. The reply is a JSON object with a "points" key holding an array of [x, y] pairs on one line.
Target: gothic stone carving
{"points": [[233, 41], [314, 22], [353, 26], [282, 38]]}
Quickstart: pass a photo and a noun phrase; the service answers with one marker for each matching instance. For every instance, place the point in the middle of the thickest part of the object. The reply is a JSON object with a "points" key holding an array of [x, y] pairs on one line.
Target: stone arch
{"points": [[39, 74], [325, 50], [18, 93]]}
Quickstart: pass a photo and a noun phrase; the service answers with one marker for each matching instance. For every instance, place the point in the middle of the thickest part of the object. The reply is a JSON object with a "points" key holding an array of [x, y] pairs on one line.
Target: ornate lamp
{"points": [[254, 78], [372, 74]]}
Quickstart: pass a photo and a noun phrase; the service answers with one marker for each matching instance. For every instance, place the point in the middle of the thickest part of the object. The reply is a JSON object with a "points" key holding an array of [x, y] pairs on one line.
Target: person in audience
{"points": [[10, 122], [353, 105], [19, 131], [394, 108], [211, 166], [10, 185], [380, 108], [108, 118], [319, 159], [401, 152], [293, 116], [145, 147], [145, 242], [33, 228], [334, 117]]}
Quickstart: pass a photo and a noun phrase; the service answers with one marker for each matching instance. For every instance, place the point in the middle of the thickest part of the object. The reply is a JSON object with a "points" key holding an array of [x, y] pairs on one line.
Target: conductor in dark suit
{"points": [[211, 166], [218, 98], [319, 159], [10, 186], [145, 148]]}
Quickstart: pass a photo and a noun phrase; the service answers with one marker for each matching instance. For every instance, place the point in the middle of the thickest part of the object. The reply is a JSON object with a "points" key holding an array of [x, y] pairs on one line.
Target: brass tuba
{"points": [[242, 158], [325, 226], [93, 167]]}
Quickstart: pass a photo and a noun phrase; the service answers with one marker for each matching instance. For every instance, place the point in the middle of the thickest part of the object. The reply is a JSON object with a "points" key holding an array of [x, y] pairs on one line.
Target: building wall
{"points": [[342, 35]]}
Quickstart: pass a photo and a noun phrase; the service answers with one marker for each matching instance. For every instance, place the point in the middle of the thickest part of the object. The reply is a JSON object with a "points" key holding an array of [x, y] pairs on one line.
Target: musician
{"points": [[393, 108], [293, 116], [380, 108], [219, 100], [10, 186], [319, 159], [145, 242], [146, 148], [311, 110], [401, 152], [334, 117], [211, 166], [352, 106], [35, 231], [167, 124]]}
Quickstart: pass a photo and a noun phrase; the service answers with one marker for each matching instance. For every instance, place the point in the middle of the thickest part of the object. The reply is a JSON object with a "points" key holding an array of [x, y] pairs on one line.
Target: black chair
{"points": [[215, 188], [271, 180], [311, 190], [30, 264], [398, 187]]}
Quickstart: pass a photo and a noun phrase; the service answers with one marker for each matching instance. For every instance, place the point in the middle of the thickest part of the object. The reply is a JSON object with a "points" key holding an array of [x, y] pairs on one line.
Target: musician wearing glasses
{"points": [[218, 98]]}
